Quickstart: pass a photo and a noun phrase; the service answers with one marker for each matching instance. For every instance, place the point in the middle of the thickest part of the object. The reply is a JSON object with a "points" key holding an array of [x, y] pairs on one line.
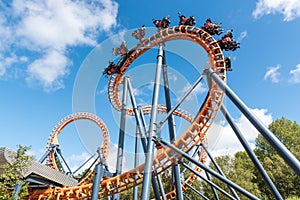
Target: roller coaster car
{"points": [[211, 28], [164, 23], [115, 68], [228, 64], [140, 33], [111, 69], [121, 50], [229, 45], [183, 20], [227, 42]]}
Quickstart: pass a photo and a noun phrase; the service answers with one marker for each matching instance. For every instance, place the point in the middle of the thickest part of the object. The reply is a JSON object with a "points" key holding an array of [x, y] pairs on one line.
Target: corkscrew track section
{"points": [[193, 136]]}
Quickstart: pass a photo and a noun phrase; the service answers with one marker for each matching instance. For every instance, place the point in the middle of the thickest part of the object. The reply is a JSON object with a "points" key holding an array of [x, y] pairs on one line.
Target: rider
{"points": [[140, 33], [227, 42], [111, 69], [229, 33], [164, 23], [227, 37], [228, 64], [182, 18], [208, 24], [123, 48]]}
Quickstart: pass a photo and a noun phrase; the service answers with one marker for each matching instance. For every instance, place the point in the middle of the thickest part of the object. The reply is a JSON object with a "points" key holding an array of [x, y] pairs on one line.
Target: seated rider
{"points": [[121, 50], [164, 23], [212, 28], [182, 19], [111, 69], [228, 64], [227, 42], [227, 37], [208, 24], [140, 33]]}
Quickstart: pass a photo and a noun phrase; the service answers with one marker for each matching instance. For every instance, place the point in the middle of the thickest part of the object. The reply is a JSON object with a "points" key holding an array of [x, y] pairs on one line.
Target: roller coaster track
{"points": [[166, 158]]}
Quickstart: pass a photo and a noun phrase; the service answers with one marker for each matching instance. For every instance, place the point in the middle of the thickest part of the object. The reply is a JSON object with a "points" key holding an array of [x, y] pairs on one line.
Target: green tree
{"points": [[11, 174], [238, 169], [285, 179]]}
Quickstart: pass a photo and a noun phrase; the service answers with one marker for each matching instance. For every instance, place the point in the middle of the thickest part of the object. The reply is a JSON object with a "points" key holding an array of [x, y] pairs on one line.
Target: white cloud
{"points": [[9, 60], [78, 158], [273, 74], [228, 144], [242, 35], [49, 69], [295, 74], [42, 27], [289, 8]]}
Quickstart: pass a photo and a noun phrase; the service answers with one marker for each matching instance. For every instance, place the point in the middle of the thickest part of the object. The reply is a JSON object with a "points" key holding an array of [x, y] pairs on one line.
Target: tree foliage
{"points": [[10, 174], [241, 170], [284, 178]]}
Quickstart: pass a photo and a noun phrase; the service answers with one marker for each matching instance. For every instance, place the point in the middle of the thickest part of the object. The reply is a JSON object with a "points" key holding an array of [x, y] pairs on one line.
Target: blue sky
{"points": [[46, 46]]}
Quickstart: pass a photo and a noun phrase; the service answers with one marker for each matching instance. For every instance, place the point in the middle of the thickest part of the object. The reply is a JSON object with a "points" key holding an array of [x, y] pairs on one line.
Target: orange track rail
{"points": [[194, 135]]}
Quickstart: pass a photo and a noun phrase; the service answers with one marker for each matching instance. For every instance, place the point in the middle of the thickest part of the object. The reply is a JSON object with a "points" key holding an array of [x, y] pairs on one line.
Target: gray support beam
{"points": [[199, 193], [138, 113], [57, 149], [42, 159], [213, 189], [219, 169], [194, 154], [212, 172], [251, 154], [172, 132], [208, 181], [185, 196], [152, 127], [179, 102], [161, 187], [83, 164], [289, 158], [121, 134], [17, 190], [137, 110], [98, 175], [136, 161], [122, 128]]}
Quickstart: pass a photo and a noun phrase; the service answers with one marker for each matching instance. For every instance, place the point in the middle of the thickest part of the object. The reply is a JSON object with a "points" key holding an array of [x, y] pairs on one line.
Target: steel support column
{"points": [[289, 158], [142, 132], [208, 181], [172, 132], [152, 127], [122, 128], [219, 170], [212, 172], [121, 133], [199, 193], [136, 160], [98, 175], [212, 187], [251, 154]]}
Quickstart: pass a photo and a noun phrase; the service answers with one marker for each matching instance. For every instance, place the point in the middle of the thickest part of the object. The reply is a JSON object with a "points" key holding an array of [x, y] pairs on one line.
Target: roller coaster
{"points": [[160, 155]]}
